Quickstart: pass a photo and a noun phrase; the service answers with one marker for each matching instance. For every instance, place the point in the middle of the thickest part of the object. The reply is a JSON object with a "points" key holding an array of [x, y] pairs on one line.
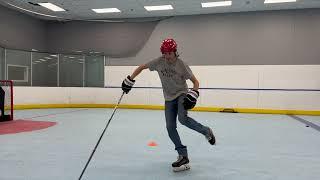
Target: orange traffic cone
{"points": [[152, 144]]}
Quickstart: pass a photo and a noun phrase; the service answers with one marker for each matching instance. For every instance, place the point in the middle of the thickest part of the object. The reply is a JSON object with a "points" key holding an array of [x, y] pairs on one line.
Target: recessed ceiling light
{"points": [[51, 6], [33, 12], [106, 10], [158, 8], [278, 1], [216, 4]]}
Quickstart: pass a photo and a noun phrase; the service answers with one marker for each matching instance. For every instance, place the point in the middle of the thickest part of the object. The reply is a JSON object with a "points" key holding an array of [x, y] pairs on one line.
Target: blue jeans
{"points": [[173, 109]]}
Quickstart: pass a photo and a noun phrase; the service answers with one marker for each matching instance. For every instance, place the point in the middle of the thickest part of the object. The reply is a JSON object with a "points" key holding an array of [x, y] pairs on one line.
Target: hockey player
{"points": [[2, 95], [173, 73]]}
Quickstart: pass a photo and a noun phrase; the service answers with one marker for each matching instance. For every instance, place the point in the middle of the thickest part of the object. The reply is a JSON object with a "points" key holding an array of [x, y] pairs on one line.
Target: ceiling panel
{"points": [[81, 9]]}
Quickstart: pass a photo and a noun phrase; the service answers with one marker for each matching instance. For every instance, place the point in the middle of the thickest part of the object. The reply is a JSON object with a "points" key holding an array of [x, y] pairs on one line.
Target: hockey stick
{"points": [[94, 150]]}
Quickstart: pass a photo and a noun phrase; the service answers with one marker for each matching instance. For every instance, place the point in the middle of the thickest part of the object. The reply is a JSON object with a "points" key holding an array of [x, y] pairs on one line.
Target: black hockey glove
{"points": [[127, 84], [191, 99]]}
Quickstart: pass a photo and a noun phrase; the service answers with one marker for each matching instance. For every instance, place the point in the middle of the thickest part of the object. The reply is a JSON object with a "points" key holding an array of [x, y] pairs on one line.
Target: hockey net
{"points": [[7, 101]]}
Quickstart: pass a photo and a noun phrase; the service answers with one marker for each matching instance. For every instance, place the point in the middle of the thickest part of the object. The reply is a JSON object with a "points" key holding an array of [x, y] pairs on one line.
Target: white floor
{"points": [[249, 146]]}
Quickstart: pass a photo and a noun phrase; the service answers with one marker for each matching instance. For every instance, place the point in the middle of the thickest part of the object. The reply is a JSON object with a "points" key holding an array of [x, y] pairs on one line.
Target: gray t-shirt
{"points": [[173, 76]]}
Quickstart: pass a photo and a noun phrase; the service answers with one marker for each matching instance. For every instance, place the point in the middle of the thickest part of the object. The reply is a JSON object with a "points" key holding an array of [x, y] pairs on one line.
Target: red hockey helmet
{"points": [[168, 45]]}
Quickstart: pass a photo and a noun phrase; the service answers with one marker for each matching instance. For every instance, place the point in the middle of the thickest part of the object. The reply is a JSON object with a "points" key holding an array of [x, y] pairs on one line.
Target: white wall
{"points": [[64, 95], [251, 77]]}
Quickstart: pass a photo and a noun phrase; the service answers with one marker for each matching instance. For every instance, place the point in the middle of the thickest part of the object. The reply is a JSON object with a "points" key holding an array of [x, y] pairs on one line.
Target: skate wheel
{"points": [[181, 168]]}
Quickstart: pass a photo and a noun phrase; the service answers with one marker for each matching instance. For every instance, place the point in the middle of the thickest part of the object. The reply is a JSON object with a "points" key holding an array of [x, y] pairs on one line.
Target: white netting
{"points": [[7, 87]]}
